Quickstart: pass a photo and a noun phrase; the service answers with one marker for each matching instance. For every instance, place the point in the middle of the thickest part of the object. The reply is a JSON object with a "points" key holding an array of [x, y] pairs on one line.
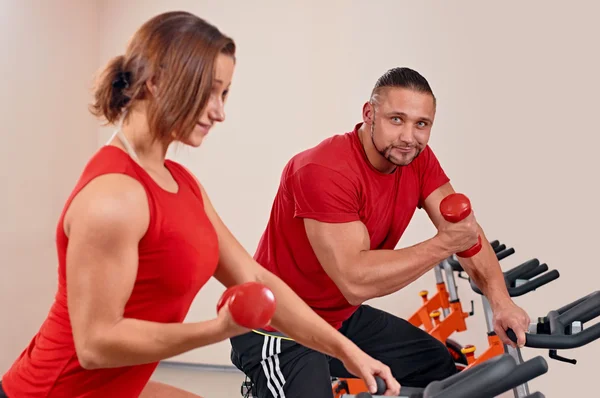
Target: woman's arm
{"points": [[105, 223], [293, 316]]}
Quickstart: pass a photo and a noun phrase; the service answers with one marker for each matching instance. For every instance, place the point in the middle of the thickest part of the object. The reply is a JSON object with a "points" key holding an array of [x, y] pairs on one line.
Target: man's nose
{"points": [[407, 134]]}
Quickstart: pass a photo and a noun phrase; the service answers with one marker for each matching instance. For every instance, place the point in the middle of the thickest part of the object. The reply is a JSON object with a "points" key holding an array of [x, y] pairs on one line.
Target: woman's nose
{"points": [[216, 111]]}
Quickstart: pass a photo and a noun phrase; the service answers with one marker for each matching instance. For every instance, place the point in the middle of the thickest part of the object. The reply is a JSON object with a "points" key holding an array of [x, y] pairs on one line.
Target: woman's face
{"points": [[214, 111]]}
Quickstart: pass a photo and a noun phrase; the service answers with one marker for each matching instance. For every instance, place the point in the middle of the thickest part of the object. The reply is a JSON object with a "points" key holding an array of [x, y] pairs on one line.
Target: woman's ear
{"points": [[152, 87]]}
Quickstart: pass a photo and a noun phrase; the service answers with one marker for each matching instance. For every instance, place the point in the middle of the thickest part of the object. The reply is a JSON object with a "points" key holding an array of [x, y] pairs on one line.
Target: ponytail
{"points": [[110, 93]]}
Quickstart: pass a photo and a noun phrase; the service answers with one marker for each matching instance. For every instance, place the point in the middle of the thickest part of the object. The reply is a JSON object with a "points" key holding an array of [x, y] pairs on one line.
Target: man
{"points": [[338, 215]]}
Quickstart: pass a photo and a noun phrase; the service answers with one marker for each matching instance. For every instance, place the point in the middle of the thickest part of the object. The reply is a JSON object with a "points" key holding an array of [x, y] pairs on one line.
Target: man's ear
{"points": [[367, 113]]}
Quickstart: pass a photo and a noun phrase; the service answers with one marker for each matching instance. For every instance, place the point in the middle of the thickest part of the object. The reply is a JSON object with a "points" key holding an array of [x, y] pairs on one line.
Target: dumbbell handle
{"points": [[454, 208]]}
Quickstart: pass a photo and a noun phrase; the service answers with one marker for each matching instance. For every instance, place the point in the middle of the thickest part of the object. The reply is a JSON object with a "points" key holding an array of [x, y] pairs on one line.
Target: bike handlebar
{"points": [[522, 373], [487, 380], [525, 271], [517, 272], [553, 332]]}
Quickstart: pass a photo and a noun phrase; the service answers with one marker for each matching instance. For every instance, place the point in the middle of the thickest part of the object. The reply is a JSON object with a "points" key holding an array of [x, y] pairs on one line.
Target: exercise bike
{"points": [[522, 279], [494, 377], [560, 329], [445, 301]]}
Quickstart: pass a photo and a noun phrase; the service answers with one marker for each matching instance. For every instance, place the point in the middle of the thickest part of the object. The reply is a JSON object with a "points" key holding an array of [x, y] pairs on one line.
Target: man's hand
{"points": [[511, 316], [361, 365]]}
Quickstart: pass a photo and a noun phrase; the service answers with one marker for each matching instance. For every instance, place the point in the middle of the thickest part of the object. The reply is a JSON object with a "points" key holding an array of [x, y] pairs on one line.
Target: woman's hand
{"points": [[227, 325], [362, 365]]}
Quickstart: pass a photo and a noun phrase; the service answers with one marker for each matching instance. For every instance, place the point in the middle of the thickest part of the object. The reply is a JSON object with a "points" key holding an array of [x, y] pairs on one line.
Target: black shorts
{"points": [[279, 367], [2, 393]]}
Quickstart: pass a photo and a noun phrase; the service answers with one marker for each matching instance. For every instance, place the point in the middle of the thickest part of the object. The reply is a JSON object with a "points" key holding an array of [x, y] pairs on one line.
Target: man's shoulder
{"points": [[335, 153]]}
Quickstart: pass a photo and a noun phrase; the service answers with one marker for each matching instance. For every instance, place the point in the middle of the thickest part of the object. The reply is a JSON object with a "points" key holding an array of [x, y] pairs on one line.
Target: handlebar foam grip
{"points": [[533, 284], [532, 274], [469, 382], [381, 385], [536, 394], [516, 273], [585, 311], [499, 248], [522, 373], [559, 341], [505, 253]]}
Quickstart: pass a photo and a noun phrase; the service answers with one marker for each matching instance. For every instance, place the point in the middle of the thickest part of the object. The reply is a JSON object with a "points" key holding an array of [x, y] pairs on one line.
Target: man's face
{"points": [[400, 123]]}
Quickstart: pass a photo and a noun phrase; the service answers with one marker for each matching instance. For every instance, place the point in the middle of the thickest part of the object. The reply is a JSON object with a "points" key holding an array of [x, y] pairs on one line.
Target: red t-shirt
{"points": [[177, 256], [334, 182]]}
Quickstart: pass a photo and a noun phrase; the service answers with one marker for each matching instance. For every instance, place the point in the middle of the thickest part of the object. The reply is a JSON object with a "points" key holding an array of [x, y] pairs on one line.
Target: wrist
{"points": [[500, 302], [440, 246], [344, 349], [209, 332]]}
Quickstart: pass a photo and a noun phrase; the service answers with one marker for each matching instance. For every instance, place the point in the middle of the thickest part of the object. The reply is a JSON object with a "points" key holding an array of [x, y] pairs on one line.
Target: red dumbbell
{"points": [[251, 304], [454, 208]]}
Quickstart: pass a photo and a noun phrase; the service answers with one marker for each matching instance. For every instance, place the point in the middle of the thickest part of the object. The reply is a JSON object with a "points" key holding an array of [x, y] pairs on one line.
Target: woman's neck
{"points": [[150, 153]]}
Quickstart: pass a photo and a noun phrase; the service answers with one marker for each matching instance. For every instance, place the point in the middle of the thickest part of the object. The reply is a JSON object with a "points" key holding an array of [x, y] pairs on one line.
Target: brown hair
{"points": [[176, 51]]}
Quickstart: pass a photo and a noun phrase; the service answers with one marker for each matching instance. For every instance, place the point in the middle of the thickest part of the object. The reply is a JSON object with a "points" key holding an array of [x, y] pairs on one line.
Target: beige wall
{"points": [[49, 53], [517, 88]]}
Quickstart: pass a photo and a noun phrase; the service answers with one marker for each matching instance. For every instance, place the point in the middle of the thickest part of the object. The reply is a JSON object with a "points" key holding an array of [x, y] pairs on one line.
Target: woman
{"points": [[138, 237]]}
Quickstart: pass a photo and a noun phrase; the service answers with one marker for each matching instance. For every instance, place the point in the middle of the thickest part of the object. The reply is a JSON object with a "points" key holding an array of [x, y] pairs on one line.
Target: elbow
{"points": [[354, 293], [88, 360], [88, 355]]}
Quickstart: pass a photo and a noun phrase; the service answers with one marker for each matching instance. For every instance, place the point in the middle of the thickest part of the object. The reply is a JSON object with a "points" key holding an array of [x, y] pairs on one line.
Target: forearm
{"points": [[378, 273], [297, 320], [133, 342], [484, 269]]}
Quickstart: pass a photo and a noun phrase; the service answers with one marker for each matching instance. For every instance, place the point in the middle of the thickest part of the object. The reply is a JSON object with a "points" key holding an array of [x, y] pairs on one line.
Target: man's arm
{"points": [[343, 249], [484, 267]]}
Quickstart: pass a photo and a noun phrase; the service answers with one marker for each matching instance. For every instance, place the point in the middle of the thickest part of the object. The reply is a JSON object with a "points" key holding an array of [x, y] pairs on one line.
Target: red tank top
{"points": [[177, 256]]}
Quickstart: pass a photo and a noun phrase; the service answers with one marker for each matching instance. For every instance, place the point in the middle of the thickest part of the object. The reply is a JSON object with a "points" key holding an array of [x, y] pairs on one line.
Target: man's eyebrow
{"points": [[398, 113]]}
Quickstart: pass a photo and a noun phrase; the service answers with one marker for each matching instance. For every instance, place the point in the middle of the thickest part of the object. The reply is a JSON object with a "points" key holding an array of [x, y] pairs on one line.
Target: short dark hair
{"points": [[403, 77]]}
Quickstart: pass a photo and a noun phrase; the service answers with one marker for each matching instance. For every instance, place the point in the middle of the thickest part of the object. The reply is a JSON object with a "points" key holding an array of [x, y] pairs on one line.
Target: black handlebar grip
{"points": [[559, 341], [499, 248], [469, 382], [523, 373], [381, 385], [536, 395], [532, 274], [515, 273], [494, 243], [533, 284], [505, 253], [586, 310]]}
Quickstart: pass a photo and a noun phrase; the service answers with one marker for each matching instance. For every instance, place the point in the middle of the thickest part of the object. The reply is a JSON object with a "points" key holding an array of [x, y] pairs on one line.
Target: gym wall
{"points": [[515, 130], [49, 52]]}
